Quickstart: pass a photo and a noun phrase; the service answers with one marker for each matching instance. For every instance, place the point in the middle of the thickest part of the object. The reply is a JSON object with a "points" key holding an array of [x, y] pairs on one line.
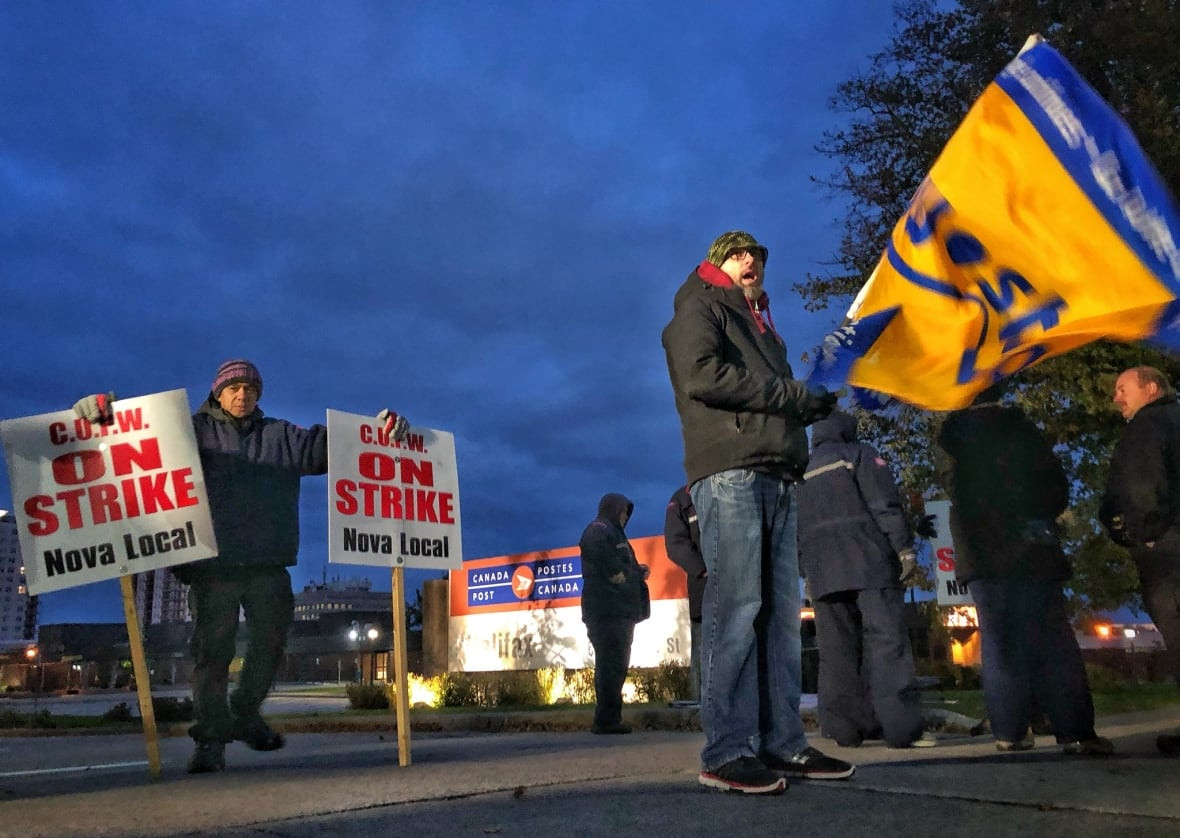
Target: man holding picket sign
{"points": [[252, 466]]}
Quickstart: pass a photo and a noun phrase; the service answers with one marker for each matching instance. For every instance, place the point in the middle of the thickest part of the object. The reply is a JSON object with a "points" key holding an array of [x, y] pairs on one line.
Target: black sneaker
{"points": [[745, 774], [208, 757], [257, 734], [811, 764], [616, 728]]}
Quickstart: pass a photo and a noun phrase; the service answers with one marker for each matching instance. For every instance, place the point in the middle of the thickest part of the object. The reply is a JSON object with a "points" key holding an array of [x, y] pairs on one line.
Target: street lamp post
{"points": [[357, 634]]}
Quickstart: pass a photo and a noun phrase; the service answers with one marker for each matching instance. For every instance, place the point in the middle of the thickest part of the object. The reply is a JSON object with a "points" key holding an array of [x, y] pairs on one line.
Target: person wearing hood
{"points": [[613, 601], [742, 416], [856, 551], [1007, 491], [1141, 506], [252, 467]]}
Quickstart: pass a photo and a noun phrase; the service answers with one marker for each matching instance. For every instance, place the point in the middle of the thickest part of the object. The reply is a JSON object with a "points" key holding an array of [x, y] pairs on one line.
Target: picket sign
{"points": [[393, 504], [95, 502]]}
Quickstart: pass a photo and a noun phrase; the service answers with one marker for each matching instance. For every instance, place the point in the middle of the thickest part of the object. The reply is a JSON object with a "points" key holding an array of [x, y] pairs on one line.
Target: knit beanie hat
{"points": [[727, 243], [236, 370]]}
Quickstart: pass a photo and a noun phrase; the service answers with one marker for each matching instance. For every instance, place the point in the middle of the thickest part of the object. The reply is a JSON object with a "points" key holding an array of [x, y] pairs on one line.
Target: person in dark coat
{"points": [[1007, 489], [1141, 508], [853, 545], [612, 603], [682, 541], [252, 466], [743, 417]]}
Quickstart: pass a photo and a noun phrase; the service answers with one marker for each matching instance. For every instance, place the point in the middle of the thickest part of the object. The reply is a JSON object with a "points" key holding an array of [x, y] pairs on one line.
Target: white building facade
{"points": [[18, 610]]}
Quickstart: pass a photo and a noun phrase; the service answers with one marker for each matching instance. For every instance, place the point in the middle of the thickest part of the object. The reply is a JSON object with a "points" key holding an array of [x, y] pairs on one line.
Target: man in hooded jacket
{"points": [[856, 550], [613, 602]]}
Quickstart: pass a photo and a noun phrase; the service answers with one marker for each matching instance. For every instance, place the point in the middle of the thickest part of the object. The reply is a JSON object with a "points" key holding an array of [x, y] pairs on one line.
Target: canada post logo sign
{"points": [[512, 584]]}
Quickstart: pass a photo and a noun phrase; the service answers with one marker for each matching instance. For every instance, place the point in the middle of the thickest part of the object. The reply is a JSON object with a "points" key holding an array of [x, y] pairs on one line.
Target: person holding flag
{"points": [[743, 416]]}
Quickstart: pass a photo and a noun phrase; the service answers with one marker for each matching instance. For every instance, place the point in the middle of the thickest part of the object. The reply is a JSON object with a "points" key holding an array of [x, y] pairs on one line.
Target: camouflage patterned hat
{"points": [[734, 240]]}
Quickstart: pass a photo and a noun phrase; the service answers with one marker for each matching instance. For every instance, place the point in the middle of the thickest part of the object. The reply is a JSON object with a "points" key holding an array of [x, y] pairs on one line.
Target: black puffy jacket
{"points": [[1144, 483], [1007, 489], [253, 467], [740, 406]]}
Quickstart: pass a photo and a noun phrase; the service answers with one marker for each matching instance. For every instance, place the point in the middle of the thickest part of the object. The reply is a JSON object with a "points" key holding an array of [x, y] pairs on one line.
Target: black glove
{"points": [[97, 408], [926, 528], [909, 565], [819, 403], [1118, 531]]}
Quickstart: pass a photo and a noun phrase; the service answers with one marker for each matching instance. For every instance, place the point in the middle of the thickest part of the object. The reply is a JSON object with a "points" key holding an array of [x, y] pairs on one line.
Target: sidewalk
{"points": [[543, 783]]}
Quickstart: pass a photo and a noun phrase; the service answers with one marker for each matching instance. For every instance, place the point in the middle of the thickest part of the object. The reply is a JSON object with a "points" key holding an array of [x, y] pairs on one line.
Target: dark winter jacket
{"points": [[606, 553], [1144, 482], [682, 541], [739, 405], [1144, 486], [1007, 489], [252, 472], [851, 524]]}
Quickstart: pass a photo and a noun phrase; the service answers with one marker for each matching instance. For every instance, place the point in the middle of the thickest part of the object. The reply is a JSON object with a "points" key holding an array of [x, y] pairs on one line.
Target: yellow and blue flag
{"points": [[1042, 226]]}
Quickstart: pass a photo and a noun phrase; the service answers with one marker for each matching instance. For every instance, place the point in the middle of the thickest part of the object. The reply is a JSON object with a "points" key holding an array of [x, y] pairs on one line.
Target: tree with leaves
{"points": [[898, 115]]}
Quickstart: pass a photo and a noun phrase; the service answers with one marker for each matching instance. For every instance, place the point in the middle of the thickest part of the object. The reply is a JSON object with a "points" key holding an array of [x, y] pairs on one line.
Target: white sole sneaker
{"points": [[714, 782]]}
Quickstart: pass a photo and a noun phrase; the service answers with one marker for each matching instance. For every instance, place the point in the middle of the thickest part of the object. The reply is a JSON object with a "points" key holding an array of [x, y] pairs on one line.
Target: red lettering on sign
{"points": [[102, 503], [376, 500], [946, 559]]}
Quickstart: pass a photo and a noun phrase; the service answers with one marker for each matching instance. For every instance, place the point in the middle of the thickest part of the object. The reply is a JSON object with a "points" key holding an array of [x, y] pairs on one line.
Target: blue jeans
{"points": [[1031, 659], [694, 661], [752, 661]]}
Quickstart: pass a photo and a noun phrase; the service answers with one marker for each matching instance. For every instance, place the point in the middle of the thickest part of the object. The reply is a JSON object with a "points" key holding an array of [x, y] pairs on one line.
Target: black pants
{"points": [[866, 668], [1159, 579], [611, 640], [1031, 659], [215, 597]]}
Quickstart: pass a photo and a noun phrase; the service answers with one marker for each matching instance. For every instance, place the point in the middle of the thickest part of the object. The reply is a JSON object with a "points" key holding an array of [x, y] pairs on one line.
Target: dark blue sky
{"points": [[474, 213]]}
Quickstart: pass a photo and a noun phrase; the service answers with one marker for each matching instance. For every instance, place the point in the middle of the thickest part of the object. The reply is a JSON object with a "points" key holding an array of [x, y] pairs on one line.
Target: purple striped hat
{"points": [[236, 370]]}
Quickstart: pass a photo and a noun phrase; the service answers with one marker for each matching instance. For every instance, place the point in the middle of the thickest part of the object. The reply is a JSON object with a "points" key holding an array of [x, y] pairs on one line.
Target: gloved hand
{"points": [[819, 403], [395, 425], [97, 408], [909, 565], [617, 579], [1118, 531], [926, 528]]}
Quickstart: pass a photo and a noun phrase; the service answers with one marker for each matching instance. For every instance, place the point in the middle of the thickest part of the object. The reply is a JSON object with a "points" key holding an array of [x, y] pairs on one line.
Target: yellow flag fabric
{"points": [[1041, 227]]}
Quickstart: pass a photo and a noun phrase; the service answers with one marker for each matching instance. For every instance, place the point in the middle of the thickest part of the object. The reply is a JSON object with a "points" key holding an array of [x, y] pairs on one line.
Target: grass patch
{"points": [[1109, 700]]}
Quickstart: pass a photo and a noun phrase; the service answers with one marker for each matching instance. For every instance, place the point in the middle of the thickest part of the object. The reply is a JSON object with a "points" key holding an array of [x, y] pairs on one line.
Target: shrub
{"points": [[579, 683], [519, 689], [169, 709], [1103, 678], [119, 713], [663, 683], [459, 690], [367, 696]]}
